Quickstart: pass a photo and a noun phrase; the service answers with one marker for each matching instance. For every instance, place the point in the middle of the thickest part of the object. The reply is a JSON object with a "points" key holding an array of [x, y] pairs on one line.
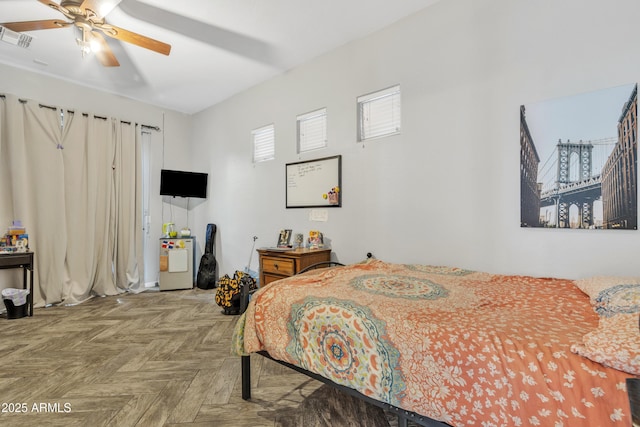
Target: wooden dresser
{"points": [[275, 265]]}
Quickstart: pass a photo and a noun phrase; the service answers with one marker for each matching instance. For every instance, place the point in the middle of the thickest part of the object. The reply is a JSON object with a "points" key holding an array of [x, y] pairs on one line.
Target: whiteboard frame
{"points": [[328, 182]]}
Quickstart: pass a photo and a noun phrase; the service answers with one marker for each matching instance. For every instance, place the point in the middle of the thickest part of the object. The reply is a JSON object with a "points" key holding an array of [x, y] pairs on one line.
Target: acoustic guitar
{"points": [[207, 271]]}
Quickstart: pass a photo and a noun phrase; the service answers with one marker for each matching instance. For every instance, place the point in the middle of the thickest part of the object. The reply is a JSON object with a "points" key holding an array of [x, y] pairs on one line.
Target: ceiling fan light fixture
{"points": [[95, 46], [87, 43], [85, 47]]}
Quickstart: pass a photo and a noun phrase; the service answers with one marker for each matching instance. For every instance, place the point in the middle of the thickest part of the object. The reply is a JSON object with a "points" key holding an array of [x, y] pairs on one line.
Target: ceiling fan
{"points": [[88, 17]]}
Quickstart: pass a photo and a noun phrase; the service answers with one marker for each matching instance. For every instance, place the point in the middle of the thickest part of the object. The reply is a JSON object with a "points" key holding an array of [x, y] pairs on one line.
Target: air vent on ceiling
{"points": [[14, 38]]}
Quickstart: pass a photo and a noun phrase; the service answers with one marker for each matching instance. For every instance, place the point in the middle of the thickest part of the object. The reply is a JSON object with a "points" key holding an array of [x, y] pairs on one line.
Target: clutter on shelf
{"points": [[16, 239]]}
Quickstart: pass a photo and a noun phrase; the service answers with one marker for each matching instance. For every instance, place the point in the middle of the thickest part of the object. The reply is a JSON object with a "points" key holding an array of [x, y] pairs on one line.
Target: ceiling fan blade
{"points": [[218, 37], [104, 53], [47, 24], [100, 7], [57, 7], [135, 38]]}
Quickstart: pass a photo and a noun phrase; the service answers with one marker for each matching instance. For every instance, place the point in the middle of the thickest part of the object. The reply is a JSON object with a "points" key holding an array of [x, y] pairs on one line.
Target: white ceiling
{"points": [[219, 47]]}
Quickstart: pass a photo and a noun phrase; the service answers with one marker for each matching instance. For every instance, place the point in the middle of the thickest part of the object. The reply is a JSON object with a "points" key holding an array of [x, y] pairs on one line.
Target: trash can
{"points": [[16, 302]]}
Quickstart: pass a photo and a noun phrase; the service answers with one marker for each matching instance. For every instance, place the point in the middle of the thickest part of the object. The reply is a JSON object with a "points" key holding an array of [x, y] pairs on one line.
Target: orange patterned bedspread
{"points": [[458, 346]]}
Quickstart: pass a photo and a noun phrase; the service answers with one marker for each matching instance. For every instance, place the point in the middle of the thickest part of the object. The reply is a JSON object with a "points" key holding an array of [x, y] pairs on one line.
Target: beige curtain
{"points": [[127, 208], [87, 148], [74, 184]]}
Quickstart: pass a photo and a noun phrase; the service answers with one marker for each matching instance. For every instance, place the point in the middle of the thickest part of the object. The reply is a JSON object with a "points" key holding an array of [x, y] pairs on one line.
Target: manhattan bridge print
{"points": [[578, 161]]}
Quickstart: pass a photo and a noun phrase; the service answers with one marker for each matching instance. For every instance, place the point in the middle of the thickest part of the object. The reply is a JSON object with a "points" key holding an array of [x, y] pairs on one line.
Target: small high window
{"points": [[312, 130], [264, 143], [379, 114]]}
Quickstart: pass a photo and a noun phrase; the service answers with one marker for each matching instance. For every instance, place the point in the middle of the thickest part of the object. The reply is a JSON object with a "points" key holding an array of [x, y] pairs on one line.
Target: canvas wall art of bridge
{"points": [[585, 184]]}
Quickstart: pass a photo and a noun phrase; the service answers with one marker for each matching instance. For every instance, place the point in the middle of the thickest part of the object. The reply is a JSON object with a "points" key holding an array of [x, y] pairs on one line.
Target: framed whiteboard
{"points": [[314, 183]]}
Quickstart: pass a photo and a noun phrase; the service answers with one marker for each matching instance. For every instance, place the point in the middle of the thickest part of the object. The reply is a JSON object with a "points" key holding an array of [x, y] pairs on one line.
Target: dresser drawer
{"points": [[281, 266], [276, 265], [268, 278]]}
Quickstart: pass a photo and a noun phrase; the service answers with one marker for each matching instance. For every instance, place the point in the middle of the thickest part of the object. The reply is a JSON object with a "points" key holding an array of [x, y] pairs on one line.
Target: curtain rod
{"points": [[156, 128]]}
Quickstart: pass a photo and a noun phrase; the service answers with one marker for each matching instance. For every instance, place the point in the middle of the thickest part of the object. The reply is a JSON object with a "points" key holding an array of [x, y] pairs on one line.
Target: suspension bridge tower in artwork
{"points": [[576, 184]]}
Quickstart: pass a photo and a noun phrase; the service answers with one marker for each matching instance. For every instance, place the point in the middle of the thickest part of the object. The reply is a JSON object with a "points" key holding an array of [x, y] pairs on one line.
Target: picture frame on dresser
{"points": [[284, 239]]}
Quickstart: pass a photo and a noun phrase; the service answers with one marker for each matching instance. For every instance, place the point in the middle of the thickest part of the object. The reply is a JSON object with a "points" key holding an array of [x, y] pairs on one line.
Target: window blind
{"points": [[379, 114], [264, 143], [312, 130]]}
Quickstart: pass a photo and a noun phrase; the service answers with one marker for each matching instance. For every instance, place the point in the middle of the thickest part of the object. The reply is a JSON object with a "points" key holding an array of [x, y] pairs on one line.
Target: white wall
{"points": [[445, 191], [170, 146]]}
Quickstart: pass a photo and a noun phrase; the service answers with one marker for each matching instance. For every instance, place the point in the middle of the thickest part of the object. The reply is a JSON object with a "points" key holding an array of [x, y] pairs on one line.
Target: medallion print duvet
{"points": [[459, 346]]}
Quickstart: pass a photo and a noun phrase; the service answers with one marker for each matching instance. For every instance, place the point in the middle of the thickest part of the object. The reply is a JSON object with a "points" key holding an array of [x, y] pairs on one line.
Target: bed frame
{"points": [[404, 416]]}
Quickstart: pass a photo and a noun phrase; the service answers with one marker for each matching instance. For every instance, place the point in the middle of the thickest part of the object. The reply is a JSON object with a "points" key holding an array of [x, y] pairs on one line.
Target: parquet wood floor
{"points": [[151, 359]]}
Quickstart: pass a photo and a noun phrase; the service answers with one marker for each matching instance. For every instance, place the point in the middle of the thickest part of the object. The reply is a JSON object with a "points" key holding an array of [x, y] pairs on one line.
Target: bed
{"points": [[449, 346]]}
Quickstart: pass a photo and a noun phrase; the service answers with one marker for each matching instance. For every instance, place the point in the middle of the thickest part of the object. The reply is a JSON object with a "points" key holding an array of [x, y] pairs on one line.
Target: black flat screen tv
{"points": [[183, 184]]}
